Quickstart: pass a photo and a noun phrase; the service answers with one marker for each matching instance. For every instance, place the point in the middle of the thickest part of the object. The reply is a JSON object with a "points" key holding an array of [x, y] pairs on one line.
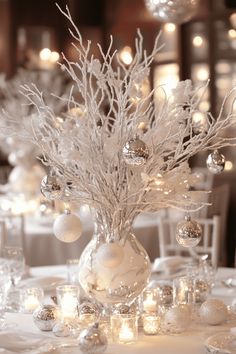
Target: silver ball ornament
{"points": [[92, 340], [88, 308], [45, 317], [177, 11], [215, 162], [122, 310], [188, 232], [213, 312], [67, 227], [135, 152], [52, 187]]}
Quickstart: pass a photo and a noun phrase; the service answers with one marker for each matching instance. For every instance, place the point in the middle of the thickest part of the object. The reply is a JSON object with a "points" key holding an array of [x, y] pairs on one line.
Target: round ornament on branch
{"points": [[215, 162], [177, 11], [92, 340], [52, 187], [67, 227], [188, 232], [110, 255], [135, 152]]}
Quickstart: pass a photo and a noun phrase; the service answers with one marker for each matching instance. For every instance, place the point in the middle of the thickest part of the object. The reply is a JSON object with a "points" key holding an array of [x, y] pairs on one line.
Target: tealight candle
{"points": [[124, 328], [149, 301], [30, 299], [67, 297], [151, 324]]}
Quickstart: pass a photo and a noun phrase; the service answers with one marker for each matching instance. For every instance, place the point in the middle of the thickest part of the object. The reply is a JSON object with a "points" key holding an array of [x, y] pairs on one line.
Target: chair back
{"points": [[209, 243]]}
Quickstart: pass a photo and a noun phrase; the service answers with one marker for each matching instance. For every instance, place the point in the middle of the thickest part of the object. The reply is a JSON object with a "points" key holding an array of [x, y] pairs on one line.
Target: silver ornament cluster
{"points": [[92, 340], [52, 187], [188, 232], [88, 308], [177, 11], [135, 152], [45, 317], [215, 162]]}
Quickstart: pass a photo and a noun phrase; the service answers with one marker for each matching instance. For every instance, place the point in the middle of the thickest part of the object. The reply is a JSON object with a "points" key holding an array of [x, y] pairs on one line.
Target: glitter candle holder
{"points": [[67, 298], [183, 291], [124, 328], [149, 301], [30, 299], [151, 324]]}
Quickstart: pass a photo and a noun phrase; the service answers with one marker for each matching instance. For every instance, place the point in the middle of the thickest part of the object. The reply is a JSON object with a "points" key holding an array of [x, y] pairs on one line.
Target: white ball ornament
{"points": [[67, 227], [110, 255], [213, 312]]}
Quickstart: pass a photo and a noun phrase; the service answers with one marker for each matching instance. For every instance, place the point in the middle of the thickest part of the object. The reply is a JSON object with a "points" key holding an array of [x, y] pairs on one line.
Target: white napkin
{"points": [[168, 265]]}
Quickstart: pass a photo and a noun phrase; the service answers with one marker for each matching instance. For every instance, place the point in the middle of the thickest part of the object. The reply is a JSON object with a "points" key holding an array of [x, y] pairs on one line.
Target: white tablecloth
{"points": [[189, 342], [43, 248]]}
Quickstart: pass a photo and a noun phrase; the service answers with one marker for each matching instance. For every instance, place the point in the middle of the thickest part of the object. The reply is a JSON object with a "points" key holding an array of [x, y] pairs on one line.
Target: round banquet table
{"points": [[22, 336]]}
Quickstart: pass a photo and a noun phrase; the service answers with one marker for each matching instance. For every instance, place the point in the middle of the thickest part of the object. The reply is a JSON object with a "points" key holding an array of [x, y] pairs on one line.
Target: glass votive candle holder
{"points": [[30, 299], [124, 328], [149, 300], [151, 324], [183, 291], [73, 270], [67, 299]]}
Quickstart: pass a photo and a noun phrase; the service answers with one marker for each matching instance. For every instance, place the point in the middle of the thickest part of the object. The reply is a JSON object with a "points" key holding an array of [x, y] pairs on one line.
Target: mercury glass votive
{"points": [[124, 328], [183, 291], [67, 298], [30, 299], [149, 300], [151, 324], [202, 289]]}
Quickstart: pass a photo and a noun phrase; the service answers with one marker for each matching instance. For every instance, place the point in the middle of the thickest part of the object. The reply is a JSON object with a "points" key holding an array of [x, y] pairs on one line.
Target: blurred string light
{"points": [[232, 33], [48, 58], [228, 165], [232, 19], [197, 41], [202, 74], [126, 55], [169, 27], [200, 123], [232, 37]]}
